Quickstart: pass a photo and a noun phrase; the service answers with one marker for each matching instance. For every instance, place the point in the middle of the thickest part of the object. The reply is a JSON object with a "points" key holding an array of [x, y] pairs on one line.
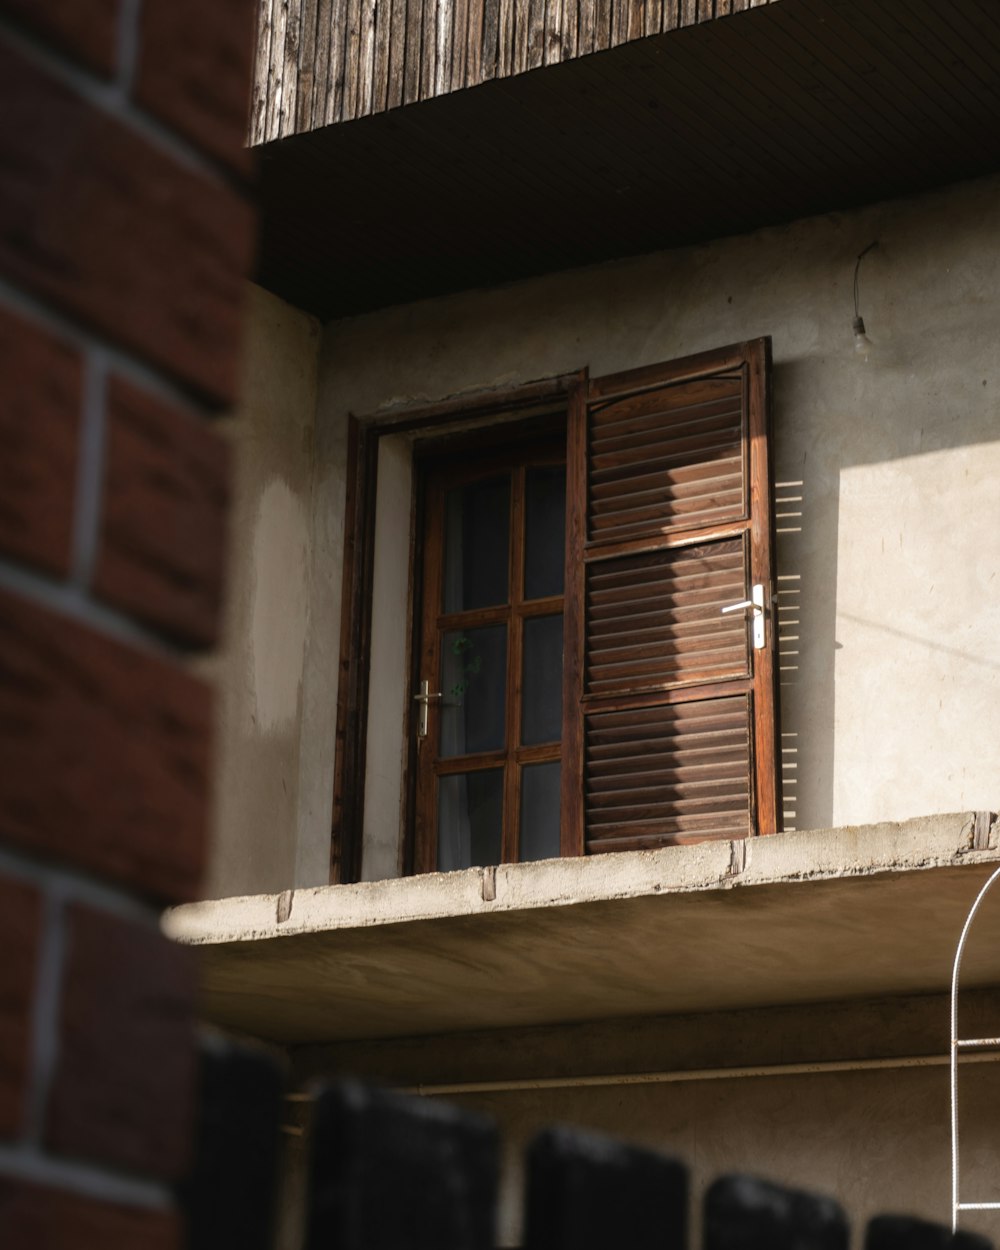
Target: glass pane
{"points": [[477, 535], [540, 811], [473, 688], [545, 531], [541, 708], [470, 819]]}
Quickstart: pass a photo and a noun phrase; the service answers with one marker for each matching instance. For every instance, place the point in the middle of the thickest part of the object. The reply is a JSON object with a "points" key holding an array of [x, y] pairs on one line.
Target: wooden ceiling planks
{"points": [[799, 107], [325, 61]]}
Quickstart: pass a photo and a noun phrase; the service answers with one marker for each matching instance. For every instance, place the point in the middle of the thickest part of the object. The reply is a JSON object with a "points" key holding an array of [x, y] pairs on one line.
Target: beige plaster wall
{"points": [[264, 789], [388, 691], [877, 1139], [889, 542]]}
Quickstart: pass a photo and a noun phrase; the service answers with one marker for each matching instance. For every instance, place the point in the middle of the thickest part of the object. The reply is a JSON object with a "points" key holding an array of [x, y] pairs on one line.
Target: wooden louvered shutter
{"points": [[670, 718]]}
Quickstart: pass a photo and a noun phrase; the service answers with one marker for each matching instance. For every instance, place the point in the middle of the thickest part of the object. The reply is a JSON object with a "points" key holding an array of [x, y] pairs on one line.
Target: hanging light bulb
{"points": [[862, 343]]}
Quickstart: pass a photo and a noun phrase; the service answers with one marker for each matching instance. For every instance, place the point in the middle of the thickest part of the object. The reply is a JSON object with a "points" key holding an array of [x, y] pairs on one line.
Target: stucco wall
{"points": [[850, 1099], [888, 544], [272, 600], [878, 1140]]}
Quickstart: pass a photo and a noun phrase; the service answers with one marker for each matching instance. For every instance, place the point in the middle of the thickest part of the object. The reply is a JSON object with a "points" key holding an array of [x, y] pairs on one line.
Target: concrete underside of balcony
{"points": [[797, 918], [775, 113]]}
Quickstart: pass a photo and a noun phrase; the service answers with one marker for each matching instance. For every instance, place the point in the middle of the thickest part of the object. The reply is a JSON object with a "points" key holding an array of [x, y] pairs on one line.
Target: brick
{"points": [[162, 549], [50, 1219], [105, 753], [86, 29], [122, 1091], [194, 72], [112, 229], [40, 384], [20, 929]]}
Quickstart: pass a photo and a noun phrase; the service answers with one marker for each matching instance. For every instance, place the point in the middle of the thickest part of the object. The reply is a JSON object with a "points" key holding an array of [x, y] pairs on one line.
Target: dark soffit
{"points": [[801, 107]]}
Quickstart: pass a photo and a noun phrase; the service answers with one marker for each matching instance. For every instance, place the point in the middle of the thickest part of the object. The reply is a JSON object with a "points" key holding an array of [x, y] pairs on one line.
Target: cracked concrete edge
{"points": [[926, 842]]}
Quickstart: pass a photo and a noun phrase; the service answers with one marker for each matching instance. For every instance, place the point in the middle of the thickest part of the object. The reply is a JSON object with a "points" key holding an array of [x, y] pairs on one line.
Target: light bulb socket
{"points": [[858, 326]]}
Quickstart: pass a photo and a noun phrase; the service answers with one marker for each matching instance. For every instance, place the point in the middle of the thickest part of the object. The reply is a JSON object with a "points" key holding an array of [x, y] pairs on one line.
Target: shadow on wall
{"points": [[788, 501]]}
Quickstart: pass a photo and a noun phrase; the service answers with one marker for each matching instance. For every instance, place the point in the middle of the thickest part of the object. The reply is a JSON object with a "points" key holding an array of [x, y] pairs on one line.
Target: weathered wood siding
{"points": [[323, 61]]}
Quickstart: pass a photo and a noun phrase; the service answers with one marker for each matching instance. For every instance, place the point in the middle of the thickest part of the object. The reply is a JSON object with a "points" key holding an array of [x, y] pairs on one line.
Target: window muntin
{"points": [[491, 645]]}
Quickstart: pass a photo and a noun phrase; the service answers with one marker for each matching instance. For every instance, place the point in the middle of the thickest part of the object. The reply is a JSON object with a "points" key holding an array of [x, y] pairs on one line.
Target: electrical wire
{"points": [[857, 270]]}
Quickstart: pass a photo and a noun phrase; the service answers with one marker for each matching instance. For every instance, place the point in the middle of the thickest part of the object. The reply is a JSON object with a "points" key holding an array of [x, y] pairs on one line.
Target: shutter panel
{"points": [[670, 722]]}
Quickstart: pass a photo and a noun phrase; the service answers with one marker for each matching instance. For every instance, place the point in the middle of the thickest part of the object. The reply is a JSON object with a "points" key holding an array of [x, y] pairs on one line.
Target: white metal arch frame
{"points": [[957, 1044]]}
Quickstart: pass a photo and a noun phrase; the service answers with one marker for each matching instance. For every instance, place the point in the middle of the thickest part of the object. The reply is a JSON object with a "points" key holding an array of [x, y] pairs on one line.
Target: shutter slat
{"points": [[668, 830], [643, 445], [649, 682], [703, 716], [686, 430], [618, 465], [623, 741], [631, 641], [679, 480], [679, 605], [668, 457], [704, 833], [667, 401], [662, 774], [632, 630], [611, 802], [663, 652], [637, 521], [649, 504], [701, 562], [651, 612], [654, 769], [685, 748]]}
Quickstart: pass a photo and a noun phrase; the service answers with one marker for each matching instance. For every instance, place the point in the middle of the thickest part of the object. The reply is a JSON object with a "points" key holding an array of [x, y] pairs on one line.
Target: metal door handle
{"points": [[424, 699], [756, 605]]}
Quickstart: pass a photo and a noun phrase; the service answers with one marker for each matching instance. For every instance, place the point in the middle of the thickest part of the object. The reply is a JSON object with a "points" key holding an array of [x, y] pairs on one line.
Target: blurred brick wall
{"points": [[126, 232]]}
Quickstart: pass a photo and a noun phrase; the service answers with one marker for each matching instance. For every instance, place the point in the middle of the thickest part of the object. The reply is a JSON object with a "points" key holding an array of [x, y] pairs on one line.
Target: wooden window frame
{"points": [[474, 412], [513, 450]]}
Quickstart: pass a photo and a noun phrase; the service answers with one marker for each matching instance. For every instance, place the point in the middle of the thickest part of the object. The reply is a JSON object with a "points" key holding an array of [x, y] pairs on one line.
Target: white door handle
{"points": [[424, 699], [754, 604]]}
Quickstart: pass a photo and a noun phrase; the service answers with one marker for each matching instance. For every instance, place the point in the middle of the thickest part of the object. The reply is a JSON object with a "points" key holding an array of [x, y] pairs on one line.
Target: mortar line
{"points": [[46, 1013], [90, 473], [120, 360], [71, 601], [27, 1163], [116, 105], [76, 885], [128, 46]]}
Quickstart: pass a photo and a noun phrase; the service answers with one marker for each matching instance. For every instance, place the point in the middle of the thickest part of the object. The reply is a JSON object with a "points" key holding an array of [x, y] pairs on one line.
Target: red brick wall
{"points": [[126, 232]]}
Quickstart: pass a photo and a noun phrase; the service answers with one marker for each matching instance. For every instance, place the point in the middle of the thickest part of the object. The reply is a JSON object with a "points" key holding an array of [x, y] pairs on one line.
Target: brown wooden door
{"points": [[491, 655], [670, 715]]}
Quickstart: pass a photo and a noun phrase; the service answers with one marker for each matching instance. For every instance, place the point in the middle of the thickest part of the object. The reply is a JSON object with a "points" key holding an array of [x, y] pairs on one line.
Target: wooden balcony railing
{"points": [[325, 61]]}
